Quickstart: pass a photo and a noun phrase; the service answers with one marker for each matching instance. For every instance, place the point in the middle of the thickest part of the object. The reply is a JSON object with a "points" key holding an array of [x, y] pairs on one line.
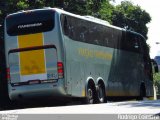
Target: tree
{"points": [[125, 15], [83, 7], [76, 6], [156, 78], [131, 17], [105, 11]]}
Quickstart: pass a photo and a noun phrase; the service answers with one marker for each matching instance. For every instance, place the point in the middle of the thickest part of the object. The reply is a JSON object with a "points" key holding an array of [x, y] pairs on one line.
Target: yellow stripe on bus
{"points": [[31, 62]]}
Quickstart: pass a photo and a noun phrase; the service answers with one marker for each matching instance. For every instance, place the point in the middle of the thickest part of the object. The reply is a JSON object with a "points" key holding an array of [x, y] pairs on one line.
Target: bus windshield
{"points": [[30, 22]]}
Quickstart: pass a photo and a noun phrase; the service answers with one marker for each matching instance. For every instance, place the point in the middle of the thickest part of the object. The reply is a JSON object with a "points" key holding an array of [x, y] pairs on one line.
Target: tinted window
{"points": [[89, 32], [30, 22], [130, 42]]}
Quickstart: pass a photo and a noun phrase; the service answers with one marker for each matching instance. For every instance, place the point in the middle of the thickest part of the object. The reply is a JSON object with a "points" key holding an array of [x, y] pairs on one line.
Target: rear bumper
{"points": [[37, 90]]}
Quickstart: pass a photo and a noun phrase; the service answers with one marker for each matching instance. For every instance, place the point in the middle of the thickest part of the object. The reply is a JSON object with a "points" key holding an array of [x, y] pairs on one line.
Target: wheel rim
{"points": [[101, 94], [90, 96]]}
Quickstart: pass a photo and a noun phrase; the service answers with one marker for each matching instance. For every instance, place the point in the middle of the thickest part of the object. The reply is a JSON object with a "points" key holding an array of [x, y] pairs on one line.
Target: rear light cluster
{"points": [[60, 70], [8, 74]]}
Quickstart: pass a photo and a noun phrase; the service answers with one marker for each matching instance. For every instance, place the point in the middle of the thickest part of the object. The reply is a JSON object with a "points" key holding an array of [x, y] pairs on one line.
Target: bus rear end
{"points": [[34, 65]]}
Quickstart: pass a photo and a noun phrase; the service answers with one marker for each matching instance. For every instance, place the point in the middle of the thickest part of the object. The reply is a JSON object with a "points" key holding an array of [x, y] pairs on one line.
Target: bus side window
{"points": [[65, 26], [137, 46], [93, 34], [125, 43], [131, 43], [121, 40], [115, 38], [107, 36], [83, 33], [71, 27]]}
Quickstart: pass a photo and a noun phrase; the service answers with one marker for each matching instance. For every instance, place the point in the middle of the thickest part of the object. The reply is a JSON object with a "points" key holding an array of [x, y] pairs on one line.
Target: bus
{"points": [[51, 53], [157, 59]]}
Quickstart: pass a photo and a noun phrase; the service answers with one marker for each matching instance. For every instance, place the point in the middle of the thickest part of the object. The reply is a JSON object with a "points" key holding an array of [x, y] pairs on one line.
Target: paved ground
{"points": [[130, 107]]}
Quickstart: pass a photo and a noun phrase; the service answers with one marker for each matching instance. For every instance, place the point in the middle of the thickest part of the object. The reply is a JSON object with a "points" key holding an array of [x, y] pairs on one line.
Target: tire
{"points": [[100, 94], [142, 93], [90, 95]]}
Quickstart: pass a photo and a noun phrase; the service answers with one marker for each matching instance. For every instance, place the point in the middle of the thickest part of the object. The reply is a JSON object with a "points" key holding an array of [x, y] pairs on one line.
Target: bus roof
{"points": [[88, 18], [61, 11]]}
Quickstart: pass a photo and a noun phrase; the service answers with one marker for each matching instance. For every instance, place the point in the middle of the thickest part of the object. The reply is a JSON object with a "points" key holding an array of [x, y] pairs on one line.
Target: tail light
{"points": [[8, 74], [60, 70]]}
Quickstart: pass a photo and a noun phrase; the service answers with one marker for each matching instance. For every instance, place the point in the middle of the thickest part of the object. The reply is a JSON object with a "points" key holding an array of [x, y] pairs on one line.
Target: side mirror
{"points": [[154, 66]]}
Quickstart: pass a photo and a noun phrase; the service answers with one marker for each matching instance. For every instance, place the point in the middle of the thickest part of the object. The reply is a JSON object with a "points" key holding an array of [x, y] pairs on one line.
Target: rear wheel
{"points": [[90, 95], [101, 94]]}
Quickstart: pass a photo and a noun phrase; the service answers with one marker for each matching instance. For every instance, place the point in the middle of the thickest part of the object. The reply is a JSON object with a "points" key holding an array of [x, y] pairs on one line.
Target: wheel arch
{"points": [[101, 81]]}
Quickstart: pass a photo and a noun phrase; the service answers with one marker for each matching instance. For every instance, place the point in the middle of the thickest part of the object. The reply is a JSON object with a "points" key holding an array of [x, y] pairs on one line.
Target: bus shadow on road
{"points": [[149, 103]]}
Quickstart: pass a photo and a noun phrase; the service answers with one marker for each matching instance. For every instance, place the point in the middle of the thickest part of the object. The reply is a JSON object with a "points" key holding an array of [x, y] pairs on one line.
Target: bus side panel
{"points": [[126, 74], [149, 86], [127, 67], [74, 71], [84, 61]]}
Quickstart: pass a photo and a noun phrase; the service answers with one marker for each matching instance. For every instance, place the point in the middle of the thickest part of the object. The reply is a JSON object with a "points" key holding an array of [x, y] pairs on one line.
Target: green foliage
{"points": [[76, 6], [131, 17], [83, 7], [125, 15], [22, 5], [106, 11], [156, 78]]}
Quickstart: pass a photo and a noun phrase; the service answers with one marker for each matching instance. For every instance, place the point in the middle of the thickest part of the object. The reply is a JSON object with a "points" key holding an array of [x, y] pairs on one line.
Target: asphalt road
{"points": [[128, 107]]}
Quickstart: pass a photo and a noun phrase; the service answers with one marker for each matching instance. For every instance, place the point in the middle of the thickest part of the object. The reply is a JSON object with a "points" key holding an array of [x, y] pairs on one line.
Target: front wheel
{"points": [[142, 93]]}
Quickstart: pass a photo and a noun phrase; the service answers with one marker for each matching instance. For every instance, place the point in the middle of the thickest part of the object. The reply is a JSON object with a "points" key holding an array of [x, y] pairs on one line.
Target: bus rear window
{"points": [[30, 22]]}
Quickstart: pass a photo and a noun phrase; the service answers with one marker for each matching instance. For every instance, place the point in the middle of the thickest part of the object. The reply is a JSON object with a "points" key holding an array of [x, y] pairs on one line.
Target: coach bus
{"points": [[53, 53]]}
